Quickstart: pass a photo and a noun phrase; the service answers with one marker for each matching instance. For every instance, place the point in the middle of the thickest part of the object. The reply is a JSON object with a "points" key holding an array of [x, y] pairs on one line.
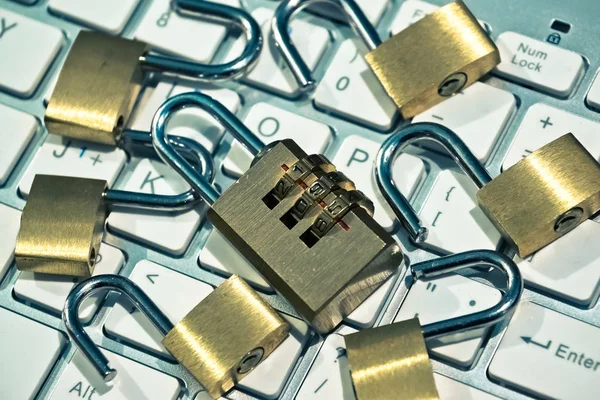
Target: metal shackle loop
{"points": [[167, 152], [219, 13], [477, 258], [280, 32], [396, 143], [96, 284], [179, 202]]}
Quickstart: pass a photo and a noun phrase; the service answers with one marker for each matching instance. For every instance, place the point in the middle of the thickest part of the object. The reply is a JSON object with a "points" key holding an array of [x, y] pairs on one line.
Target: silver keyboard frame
{"points": [[531, 18]]}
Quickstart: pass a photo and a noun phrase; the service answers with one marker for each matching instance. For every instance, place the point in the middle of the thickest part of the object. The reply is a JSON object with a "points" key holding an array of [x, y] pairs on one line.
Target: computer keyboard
{"points": [[544, 87]]}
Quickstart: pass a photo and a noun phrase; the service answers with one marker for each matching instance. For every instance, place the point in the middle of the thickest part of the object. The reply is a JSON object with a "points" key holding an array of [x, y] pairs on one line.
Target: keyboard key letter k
{"points": [[5, 28]]}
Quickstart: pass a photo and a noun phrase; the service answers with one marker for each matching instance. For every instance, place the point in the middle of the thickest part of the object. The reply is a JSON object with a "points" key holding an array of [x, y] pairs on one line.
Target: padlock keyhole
{"points": [[452, 84]]}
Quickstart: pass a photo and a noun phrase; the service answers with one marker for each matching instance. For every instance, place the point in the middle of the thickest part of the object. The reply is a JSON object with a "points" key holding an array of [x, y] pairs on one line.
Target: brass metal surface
{"points": [[61, 226], [526, 201], [413, 64], [231, 329], [96, 89], [391, 362], [325, 282]]}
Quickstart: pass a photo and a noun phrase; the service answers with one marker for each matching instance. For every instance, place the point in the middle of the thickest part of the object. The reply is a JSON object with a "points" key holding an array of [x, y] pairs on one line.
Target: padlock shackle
{"points": [[179, 202], [226, 118], [397, 143], [281, 35], [96, 284], [477, 258], [213, 12]]}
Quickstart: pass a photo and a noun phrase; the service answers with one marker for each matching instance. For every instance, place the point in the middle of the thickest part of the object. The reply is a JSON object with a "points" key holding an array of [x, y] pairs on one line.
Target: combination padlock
{"points": [[62, 223], [102, 74], [300, 223], [539, 199], [216, 351], [419, 67], [391, 361]]}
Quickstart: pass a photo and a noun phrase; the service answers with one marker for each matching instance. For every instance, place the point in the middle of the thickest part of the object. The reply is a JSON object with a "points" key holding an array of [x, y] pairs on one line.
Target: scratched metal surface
{"points": [[531, 18]]}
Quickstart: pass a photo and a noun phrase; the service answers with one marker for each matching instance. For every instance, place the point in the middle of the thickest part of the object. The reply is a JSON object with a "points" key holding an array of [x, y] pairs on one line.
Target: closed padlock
{"points": [[102, 74], [419, 67], [536, 201], [62, 223], [391, 361], [300, 223], [218, 342]]}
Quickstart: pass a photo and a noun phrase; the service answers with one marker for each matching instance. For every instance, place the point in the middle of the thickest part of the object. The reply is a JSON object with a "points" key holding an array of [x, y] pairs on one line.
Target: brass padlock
{"points": [[536, 201], [102, 74], [434, 58], [391, 362], [62, 224], [219, 342], [303, 225]]}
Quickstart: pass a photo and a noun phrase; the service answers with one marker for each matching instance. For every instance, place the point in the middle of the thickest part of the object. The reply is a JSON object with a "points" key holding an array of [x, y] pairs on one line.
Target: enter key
{"points": [[548, 354]]}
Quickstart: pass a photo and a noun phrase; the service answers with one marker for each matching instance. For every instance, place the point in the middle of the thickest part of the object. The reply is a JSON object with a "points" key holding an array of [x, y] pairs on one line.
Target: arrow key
{"points": [[549, 355]]}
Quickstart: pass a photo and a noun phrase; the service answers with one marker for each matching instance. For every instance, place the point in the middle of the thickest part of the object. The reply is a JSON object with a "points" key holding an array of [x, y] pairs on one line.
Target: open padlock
{"points": [[539, 199], [102, 74], [300, 223], [391, 361], [62, 223], [436, 57], [217, 352]]}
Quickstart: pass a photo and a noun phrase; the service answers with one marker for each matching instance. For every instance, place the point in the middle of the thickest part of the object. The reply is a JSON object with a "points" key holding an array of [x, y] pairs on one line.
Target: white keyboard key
{"points": [[364, 315], [268, 379], [454, 220], [351, 90], [548, 355], [21, 71], [356, 150], [15, 134], [175, 295], [191, 122], [543, 124], [106, 15], [580, 281], [373, 9], [65, 157], [270, 123], [593, 96], [166, 31], [329, 376], [218, 255], [449, 389], [31, 349], [478, 116], [411, 12], [50, 291], [10, 219], [133, 381], [541, 65], [356, 157], [165, 230], [449, 297], [270, 71]]}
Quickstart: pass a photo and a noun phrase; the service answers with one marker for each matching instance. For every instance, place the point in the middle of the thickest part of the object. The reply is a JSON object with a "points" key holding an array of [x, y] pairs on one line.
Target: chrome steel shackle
{"points": [[226, 118], [219, 13], [87, 288], [396, 143], [279, 30], [511, 294]]}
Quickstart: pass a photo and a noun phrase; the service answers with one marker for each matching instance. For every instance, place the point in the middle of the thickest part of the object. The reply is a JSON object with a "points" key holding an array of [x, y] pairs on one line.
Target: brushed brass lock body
{"points": [[309, 232], [62, 226], [96, 88], [226, 335], [434, 58], [391, 362], [543, 196]]}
